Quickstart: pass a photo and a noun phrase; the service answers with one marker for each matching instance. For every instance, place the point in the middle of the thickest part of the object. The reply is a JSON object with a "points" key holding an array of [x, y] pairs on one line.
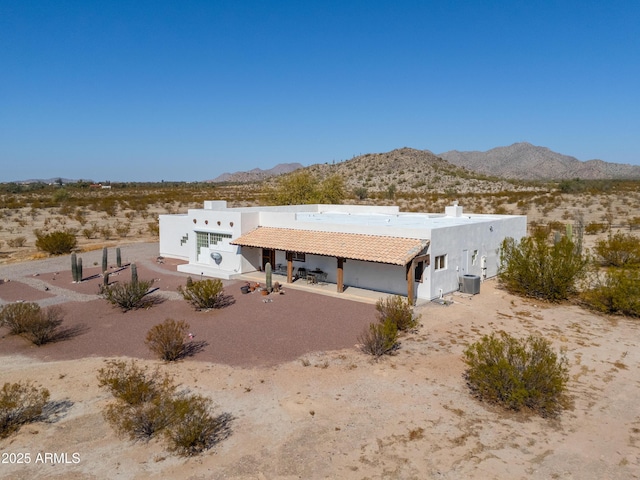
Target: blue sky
{"points": [[186, 90]]}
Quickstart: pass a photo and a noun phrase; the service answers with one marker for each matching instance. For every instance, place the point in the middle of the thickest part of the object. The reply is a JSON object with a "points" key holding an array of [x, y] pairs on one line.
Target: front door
{"points": [[268, 256]]}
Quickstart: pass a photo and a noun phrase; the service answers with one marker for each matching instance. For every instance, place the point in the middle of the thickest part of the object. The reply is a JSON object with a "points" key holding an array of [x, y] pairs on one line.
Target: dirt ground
{"points": [[307, 404]]}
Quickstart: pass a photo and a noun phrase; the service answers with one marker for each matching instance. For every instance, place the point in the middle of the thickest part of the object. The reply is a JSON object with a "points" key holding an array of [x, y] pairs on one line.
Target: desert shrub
{"points": [[379, 338], [167, 339], [16, 316], [43, 327], [56, 243], [140, 421], [143, 404], [361, 193], [204, 294], [517, 374], [128, 295], [195, 428], [17, 242], [146, 404], [302, 187], [537, 269], [20, 403], [153, 228], [133, 384], [594, 228], [617, 292], [399, 311], [620, 249], [30, 321]]}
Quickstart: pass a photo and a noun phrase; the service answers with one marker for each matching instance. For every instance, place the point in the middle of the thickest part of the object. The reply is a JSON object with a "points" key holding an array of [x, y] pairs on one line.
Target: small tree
{"points": [[537, 269], [301, 187], [167, 339], [517, 374], [204, 294]]}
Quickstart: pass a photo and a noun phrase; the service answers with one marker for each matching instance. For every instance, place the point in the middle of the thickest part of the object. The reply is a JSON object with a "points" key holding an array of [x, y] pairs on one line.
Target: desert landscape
{"points": [[306, 403], [303, 400]]}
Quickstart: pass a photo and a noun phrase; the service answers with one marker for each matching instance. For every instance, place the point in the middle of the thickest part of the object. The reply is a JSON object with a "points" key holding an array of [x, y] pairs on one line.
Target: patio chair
{"points": [[302, 273]]}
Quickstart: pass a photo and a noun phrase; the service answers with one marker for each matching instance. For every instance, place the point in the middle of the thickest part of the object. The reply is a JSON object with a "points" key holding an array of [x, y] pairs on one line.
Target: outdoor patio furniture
{"points": [[302, 273], [280, 269]]}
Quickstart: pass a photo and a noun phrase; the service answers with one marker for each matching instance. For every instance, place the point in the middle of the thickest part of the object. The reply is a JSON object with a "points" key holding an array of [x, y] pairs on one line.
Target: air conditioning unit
{"points": [[470, 284]]}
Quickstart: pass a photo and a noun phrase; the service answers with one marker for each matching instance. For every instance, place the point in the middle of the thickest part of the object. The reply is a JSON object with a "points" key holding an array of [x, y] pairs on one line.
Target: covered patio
{"points": [[409, 253]]}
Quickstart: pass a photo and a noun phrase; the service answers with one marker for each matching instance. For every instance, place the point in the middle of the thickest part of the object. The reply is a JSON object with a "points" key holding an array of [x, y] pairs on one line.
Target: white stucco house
{"points": [[418, 255]]}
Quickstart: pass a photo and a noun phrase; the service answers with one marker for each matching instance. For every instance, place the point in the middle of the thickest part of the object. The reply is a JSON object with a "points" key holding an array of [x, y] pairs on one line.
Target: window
{"points": [[441, 262], [206, 239], [419, 270], [474, 258], [299, 257]]}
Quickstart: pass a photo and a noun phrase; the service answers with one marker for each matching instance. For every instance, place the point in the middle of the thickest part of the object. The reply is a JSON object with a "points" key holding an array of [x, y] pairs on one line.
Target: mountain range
{"points": [[257, 174], [524, 161], [520, 161]]}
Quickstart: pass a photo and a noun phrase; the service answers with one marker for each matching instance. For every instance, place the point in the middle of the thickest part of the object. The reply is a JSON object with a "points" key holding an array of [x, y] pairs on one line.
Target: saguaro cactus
{"points": [[104, 259], [118, 258], [267, 269], [74, 268], [79, 270], [105, 279], [134, 273]]}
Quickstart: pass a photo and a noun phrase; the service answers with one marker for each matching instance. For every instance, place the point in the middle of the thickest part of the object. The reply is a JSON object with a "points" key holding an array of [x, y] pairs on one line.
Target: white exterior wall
{"points": [[175, 235], [375, 276], [485, 237], [449, 235]]}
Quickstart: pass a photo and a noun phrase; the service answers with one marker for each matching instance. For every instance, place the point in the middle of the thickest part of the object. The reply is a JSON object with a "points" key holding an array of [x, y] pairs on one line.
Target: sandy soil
{"points": [[337, 414]]}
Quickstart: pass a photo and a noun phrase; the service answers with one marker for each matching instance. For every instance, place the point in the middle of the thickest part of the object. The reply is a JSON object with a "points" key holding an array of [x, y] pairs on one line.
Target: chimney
{"points": [[453, 210]]}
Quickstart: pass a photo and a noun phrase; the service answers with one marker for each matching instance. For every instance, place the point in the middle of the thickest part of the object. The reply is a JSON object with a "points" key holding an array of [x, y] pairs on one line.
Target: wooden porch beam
{"points": [[340, 275], [410, 268], [289, 256]]}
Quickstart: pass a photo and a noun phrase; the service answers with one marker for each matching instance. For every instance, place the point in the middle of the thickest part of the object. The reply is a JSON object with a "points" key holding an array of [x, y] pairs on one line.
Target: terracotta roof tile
{"points": [[355, 246]]}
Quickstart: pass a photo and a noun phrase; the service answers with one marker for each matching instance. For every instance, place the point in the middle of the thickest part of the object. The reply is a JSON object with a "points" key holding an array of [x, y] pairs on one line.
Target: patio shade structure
{"points": [[343, 246]]}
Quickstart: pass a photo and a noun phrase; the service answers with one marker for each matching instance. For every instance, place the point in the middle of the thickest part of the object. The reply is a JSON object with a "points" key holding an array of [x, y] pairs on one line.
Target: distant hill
{"points": [[528, 162], [51, 181], [257, 174], [408, 170]]}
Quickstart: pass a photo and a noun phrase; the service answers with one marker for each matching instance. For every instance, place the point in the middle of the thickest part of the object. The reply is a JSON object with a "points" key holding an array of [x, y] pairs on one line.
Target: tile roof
{"points": [[355, 246]]}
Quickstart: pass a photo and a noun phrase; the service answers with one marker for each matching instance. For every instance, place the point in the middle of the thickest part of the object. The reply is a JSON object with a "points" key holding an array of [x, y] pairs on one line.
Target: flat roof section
{"points": [[401, 220], [354, 246]]}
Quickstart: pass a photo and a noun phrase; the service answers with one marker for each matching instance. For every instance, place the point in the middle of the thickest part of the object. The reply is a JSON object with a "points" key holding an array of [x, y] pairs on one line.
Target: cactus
{"points": [[134, 273], [79, 269], [104, 259], [557, 236], [267, 269], [569, 231], [74, 268], [105, 279], [189, 281], [118, 258]]}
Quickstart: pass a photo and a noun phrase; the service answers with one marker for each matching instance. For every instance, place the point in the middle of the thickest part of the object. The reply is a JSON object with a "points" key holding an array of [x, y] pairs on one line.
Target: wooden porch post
{"points": [[289, 256], [410, 268], [340, 275]]}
